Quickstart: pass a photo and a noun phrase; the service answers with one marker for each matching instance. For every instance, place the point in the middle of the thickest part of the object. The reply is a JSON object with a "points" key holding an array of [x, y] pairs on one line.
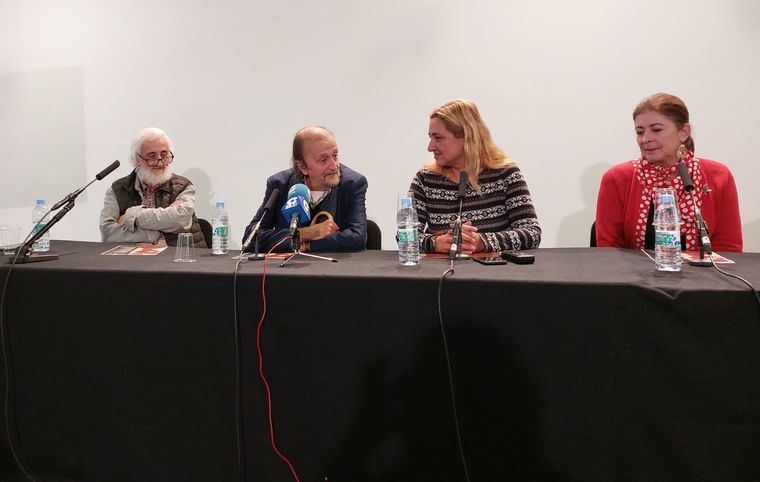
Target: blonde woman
{"points": [[497, 208]]}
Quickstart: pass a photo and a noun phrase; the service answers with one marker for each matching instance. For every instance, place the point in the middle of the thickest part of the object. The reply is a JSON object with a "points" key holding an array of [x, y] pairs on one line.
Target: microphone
{"points": [[99, 176], [108, 170], [463, 179], [296, 208], [267, 207], [24, 252], [683, 171], [456, 235], [688, 186]]}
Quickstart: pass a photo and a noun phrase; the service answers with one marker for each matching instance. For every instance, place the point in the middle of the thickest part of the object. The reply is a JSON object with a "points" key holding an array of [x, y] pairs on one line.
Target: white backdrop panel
{"points": [[232, 81]]}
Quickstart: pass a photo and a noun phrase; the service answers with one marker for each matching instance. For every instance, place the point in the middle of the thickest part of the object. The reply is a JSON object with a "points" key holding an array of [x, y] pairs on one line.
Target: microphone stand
{"points": [[457, 236], [71, 196], [255, 237], [256, 256], [296, 241], [24, 252], [254, 234], [702, 234]]}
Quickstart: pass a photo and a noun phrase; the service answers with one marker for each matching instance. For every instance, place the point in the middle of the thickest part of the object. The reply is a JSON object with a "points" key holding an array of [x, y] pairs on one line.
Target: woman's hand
{"points": [[472, 241]]}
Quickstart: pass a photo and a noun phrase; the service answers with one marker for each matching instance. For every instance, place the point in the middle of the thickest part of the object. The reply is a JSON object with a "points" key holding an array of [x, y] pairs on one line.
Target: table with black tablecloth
{"points": [[587, 365]]}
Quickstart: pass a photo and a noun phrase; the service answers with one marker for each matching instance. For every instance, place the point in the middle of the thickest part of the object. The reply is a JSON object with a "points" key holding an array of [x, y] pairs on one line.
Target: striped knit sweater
{"points": [[503, 212]]}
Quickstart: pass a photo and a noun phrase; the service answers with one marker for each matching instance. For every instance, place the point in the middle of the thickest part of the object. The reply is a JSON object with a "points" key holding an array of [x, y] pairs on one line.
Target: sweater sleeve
{"points": [[524, 231], [726, 235], [610, 213], [113, 231], [420, 201]]}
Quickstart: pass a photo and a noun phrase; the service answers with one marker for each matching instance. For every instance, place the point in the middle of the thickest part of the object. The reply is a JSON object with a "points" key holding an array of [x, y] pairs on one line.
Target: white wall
{"points": [[232, 81]]}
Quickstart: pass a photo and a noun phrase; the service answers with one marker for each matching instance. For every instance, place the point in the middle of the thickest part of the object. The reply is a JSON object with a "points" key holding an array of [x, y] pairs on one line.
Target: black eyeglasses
{"points": [[152, 161]]}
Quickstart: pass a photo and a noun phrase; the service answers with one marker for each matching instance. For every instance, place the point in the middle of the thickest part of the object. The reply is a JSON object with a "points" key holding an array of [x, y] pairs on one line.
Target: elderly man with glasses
{"points": [[151, 204]]}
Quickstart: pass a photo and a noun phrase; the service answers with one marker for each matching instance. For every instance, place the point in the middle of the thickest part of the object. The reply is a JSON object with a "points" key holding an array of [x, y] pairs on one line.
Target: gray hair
{"points": [[144, 135]]}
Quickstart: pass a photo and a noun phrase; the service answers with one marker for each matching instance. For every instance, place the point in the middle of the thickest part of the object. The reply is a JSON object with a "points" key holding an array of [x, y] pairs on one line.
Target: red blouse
{"points": [[617, 207]]}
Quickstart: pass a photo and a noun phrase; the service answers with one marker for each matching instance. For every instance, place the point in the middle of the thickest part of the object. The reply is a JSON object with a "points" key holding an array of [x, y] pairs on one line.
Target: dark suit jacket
{"points": [[351, 215]]}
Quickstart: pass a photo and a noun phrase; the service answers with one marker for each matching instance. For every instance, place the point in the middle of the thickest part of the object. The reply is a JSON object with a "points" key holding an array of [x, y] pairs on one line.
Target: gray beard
{"points": [[146, 176]]}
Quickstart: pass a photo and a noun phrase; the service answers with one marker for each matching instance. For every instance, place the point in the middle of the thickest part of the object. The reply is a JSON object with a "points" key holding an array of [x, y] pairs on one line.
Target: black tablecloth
{"points": [[588, 365]]}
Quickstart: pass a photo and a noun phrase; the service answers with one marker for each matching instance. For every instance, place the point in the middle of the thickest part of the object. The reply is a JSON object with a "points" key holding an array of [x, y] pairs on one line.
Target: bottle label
{"points": [[407, 236], [38, 227], [220, 231], [667, 238]]}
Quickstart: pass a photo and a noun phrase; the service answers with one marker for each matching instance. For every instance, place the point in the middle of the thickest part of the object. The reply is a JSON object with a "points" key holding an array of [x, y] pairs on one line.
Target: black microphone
{"points": [[688, 186], [267, 207], [67, 203], [456, 235], [71, 196], [108, 170], [463, 179], [683, 170]]}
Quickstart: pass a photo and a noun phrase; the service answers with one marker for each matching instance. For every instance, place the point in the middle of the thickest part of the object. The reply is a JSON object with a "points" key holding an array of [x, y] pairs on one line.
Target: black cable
{"points": [[451, 376], [6, 363], [238, 378], [754, 291]]}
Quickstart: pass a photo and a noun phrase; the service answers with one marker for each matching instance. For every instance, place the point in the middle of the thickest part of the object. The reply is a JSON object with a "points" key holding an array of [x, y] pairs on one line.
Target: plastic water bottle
{"points": [[667, 234], [220, 223], [42, 244], [408, 239]]}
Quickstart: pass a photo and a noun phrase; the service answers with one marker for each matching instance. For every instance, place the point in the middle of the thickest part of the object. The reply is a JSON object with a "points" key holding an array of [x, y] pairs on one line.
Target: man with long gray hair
{"points": [[151, 204]]}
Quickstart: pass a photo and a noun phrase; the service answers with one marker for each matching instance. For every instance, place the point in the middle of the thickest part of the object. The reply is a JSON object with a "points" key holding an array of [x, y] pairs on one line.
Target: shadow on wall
{"points": [[204, 195], [751, 236], [575, 228]]}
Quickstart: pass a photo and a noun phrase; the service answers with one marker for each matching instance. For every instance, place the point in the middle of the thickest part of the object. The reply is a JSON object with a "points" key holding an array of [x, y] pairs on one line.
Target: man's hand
{"points": [[120, 220], [318, 231]]}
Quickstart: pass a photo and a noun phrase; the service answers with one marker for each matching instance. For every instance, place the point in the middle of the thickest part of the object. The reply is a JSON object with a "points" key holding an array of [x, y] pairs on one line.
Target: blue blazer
{"points": [[351, 215]]}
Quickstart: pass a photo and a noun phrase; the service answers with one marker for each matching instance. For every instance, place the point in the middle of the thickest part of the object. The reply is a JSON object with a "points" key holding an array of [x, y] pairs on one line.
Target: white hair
{"points": [[149, 178], [144, 135]]}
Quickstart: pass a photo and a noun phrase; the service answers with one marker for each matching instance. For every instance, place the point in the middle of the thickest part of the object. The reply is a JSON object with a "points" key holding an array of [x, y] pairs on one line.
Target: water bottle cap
{"points": [[220, 204], [40, 202], [406, 202]]}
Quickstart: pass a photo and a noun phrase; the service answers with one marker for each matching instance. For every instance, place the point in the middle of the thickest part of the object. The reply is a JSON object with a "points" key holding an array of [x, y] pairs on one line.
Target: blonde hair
{"points": [[462, 119]]}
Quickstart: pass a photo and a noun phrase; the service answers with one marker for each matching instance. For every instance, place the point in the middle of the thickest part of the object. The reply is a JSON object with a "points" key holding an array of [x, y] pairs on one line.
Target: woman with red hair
{"points": [[625, 207]]}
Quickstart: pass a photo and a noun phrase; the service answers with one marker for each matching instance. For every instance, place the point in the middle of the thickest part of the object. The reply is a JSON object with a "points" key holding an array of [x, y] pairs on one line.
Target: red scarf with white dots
{"points": [[653, 177]]}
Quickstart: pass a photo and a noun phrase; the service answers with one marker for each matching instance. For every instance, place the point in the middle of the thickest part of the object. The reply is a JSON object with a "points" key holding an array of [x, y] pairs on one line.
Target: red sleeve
{"points": [[610, 212], [726, 235]]}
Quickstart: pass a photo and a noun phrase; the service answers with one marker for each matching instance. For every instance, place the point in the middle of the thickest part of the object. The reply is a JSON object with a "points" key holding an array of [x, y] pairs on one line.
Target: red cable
{"points": [[261, 366]]}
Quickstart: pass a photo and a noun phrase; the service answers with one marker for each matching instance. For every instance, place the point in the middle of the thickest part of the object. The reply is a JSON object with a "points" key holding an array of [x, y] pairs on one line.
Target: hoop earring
{"points": [[681, 152]]}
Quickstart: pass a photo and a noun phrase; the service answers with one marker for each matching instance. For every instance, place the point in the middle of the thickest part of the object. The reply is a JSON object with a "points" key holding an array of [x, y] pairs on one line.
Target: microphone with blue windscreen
{"points": [[296, 208]]}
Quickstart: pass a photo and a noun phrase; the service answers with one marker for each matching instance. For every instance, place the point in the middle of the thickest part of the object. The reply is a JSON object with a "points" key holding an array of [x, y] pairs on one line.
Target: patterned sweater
{"points": [[503, 211]]}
